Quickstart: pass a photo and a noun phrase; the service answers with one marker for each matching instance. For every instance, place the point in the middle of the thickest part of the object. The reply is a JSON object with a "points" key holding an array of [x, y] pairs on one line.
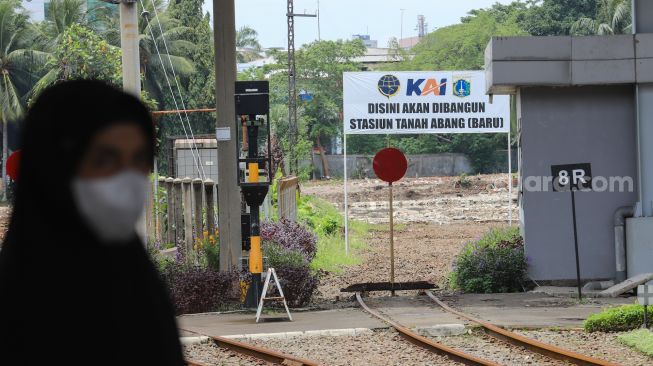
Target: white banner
{"points": [[422, 102]]}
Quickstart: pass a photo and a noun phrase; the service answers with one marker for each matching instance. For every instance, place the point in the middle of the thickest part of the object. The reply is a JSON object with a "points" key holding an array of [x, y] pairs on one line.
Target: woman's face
{"points": [[119, 147]]}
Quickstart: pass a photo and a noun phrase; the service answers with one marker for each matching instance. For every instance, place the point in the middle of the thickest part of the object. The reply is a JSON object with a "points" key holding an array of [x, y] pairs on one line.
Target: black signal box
{"points": [[252, 97]]}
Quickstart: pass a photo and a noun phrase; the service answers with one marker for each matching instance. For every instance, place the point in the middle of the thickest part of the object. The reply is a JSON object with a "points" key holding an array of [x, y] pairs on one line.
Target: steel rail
{"points": [[255, 351], [417, 339], [528, 343]]}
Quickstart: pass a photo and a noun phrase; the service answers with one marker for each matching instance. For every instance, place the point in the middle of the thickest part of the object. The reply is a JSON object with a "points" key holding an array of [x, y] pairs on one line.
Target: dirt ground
{"points": [[5, 214], [436, 217], [423, 252], [440, 200]]}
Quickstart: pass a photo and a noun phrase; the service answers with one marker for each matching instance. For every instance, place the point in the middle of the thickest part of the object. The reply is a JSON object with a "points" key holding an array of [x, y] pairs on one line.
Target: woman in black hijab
{"points": [[76, 284]]}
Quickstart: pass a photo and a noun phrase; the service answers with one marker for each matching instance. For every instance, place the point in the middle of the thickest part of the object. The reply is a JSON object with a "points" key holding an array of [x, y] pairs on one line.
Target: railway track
{"points": [[521, 341], [503, 335], [253, 351]]}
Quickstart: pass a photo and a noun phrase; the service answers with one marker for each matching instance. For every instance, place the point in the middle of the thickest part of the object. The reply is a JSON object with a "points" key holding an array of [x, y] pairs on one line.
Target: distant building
{"points": [[369, 43], [374, 57], [408, 43], [422, 31]]}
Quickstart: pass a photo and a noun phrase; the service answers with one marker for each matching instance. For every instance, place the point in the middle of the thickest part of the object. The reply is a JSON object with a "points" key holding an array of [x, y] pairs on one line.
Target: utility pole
{"points": [[401, 31], [224, 28], [292, 87], [421, 26], [131, 74], [319, 36]]}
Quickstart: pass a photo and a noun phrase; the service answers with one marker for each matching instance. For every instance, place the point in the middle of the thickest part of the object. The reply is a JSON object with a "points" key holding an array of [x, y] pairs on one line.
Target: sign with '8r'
{"points": [[572, 177]]}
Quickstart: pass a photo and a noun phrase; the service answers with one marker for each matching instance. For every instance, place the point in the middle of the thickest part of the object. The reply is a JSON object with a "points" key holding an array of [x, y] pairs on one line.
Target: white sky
{"points": [[339, 19]]}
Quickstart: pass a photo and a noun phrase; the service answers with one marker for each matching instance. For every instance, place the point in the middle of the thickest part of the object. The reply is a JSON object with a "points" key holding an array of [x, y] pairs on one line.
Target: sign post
{"points": [[573, 177], [390, 165], [644, 296]]}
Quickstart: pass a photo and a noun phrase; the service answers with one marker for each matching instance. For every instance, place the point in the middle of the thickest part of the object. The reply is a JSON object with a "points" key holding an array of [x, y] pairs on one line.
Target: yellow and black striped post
{"points": [[252, 107]]}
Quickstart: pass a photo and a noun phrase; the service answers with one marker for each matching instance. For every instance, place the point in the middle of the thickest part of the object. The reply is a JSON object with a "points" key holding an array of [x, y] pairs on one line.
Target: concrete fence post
{"points": [[150, 218], [160, 215], [198, 196], [170, 197], [287, 198], [210, 206], [188, 215], [179, 220]]}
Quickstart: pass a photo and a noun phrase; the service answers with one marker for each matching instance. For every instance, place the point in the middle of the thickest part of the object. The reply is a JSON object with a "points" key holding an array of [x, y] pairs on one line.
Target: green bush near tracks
{"points": [[491, 264], [617, 319], [641, 340]]}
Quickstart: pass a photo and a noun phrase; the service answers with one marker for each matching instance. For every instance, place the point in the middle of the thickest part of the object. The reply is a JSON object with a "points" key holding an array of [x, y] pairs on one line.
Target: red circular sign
{"points": [[390, 164], [13, 161]]}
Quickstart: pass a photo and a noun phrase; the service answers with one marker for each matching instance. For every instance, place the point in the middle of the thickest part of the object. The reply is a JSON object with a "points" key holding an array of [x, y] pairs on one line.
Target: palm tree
{"points": [[172, 45], [614, 17], [247, 46], [18, 66], [169, 47], [61, 15]]}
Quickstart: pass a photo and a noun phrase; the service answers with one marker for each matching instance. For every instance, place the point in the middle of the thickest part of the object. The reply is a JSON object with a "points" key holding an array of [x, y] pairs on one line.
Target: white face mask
{"points": [[111, 206]]}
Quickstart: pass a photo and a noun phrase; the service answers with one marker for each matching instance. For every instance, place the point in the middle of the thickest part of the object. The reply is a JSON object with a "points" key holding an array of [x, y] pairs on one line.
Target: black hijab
{"points": [[65, 298]]}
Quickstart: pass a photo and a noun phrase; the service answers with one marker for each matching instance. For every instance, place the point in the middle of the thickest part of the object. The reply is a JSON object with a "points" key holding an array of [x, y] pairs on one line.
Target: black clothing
{"points": [[66, 298]]}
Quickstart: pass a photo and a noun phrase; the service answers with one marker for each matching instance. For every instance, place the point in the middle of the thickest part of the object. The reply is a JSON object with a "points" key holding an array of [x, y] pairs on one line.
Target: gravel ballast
{"points": [[597, 344], [382, 347], [210, 354], [387, 347], [481, 345]]}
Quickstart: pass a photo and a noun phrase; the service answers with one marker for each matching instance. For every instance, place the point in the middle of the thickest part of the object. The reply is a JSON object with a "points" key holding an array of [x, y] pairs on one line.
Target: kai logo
{"points": [[462, 88], [431, 86]]}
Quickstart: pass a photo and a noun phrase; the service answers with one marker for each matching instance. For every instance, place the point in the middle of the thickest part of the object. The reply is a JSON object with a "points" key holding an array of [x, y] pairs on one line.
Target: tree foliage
{"points": [[555, 17], [248, 47], [15, 60], [82, 54], [612, 17], [77, 42]]}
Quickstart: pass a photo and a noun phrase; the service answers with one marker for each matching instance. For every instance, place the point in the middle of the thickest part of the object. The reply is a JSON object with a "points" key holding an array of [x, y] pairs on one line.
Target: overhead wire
{"points": [[174, 77], [196, 159]]}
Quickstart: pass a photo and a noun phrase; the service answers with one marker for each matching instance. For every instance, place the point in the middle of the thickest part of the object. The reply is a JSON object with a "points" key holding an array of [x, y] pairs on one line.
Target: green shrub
{"points": [[280, 257], [641, 340], [319, 215], [289, 247], [493, 263], [617, 319]]}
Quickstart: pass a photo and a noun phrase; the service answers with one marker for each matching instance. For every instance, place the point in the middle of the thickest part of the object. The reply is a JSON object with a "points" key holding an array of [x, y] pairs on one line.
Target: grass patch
{"points": [[616, 319], [641, 340], [327, 223], [331, 255]]}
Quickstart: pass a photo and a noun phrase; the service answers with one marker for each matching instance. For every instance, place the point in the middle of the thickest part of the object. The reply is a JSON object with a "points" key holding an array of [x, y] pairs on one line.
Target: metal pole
{"points": [[319, 37], [645, 316], [401, 32], [344, 134], [642, 24], [224, 28], [292, 91], [392, 244], [509, 182], [573, 213]]}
